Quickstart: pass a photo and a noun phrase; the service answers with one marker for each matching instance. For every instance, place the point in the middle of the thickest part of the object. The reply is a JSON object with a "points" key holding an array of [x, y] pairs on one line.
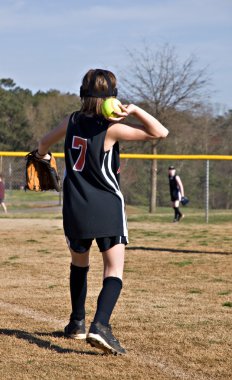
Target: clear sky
{"points": [[50, 44]]}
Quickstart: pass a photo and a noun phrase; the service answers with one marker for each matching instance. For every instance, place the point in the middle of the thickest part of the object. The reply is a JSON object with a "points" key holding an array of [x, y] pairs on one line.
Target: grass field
{"points": [[174, 315], [47, 204]]}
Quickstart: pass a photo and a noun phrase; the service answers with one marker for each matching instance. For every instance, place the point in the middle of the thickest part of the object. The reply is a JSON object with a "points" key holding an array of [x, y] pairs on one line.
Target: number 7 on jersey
{"points": [[81, 144]]}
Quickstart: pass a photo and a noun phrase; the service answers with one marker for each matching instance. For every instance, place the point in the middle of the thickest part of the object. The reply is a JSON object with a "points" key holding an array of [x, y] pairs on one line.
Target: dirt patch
{"points": [[171, 316]]}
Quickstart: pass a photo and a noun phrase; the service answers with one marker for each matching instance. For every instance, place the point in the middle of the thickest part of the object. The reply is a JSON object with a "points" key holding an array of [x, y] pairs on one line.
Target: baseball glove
{"points": [[41, 174], [184, 201]]}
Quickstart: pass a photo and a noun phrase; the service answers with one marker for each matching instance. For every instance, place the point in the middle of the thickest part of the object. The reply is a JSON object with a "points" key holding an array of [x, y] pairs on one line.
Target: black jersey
{"points": [[174, 188], [93, 205]]}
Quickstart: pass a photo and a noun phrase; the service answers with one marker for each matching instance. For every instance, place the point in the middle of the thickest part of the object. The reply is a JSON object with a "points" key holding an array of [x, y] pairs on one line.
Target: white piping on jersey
{"points": [[113, 182]]}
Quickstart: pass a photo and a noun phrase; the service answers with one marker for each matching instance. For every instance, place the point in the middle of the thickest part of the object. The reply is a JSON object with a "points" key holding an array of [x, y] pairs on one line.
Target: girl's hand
{"points": [[120, 115], [43, 157], [130, 109], [126, 111]]}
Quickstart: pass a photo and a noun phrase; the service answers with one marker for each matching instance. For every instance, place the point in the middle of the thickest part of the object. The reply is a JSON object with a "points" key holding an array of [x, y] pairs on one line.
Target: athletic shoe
{"points": [[175, 220], [101, 336], [75, 330], [180, 217]]}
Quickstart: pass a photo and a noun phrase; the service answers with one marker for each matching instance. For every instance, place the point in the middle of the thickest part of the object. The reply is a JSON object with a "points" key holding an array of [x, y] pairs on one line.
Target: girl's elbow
{"points": [[163, 134]]}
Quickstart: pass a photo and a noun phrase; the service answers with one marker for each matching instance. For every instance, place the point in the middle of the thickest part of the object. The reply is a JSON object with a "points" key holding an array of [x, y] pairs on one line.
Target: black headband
{"points": [[92, 93]]}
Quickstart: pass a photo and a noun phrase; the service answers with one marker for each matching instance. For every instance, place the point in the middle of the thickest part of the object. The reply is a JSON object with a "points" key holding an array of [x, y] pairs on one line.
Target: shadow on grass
{"points": [[45, 343], [175, 250]]}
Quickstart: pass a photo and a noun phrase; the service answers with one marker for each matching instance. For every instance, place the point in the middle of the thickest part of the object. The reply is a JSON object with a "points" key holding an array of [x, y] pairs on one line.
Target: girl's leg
{"points": [[78, 290], [80, 259], [78, 284], [178, 214], [175, 211], [113, 260], [100, 333], [4, 207]]}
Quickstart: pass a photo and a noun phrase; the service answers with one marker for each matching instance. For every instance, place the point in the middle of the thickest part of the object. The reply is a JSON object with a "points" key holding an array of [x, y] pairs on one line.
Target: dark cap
{"points": [[90, 92], [171, 168]]}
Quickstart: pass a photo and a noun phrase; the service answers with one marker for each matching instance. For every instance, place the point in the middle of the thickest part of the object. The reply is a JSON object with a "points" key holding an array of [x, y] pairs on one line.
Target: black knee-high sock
{"points": [[177, 212], [107, 299], [78, 291]]}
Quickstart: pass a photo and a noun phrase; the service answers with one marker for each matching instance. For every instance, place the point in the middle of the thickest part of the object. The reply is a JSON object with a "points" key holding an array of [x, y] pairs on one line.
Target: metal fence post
{"points": [[60, 198], [207, 192], [10, 175]]}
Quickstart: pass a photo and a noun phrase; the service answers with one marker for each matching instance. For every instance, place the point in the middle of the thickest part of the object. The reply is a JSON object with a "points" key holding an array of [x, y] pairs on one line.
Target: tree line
{"points": [[170, 91]]}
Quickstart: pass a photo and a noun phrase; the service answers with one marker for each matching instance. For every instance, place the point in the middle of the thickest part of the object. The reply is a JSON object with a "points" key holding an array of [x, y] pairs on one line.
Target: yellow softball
{"points": [[109, 106]]}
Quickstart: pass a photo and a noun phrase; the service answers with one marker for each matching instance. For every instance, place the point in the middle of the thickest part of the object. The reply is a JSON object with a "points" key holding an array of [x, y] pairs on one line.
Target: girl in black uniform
{"points": [[2, 194], [176, 192], [93, 205]]}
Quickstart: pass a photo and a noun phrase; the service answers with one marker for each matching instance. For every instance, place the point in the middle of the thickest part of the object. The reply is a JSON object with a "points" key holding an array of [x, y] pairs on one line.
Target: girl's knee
{"points": [[80, 259]]}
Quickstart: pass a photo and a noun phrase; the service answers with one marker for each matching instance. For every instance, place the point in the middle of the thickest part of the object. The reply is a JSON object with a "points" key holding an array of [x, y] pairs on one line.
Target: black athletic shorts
{"points": [[104, 243], [175, 196]]}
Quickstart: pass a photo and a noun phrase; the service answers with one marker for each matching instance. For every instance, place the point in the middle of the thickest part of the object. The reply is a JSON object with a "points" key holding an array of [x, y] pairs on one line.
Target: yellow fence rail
{"points": [[142, 156], [14, 178]]}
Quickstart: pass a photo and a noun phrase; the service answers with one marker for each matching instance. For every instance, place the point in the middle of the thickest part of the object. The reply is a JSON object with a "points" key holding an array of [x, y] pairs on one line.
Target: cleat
{"points": [[180, 217], [101, 337], [75, 330]]}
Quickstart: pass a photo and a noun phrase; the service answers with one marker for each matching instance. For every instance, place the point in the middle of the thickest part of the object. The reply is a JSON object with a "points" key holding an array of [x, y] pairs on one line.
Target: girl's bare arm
{"points": [[52, 137], [178, 180], [148, 129]]}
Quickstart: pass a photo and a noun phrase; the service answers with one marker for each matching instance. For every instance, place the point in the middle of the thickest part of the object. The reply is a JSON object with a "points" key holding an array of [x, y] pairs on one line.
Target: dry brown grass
{"points": [[170, 316]]}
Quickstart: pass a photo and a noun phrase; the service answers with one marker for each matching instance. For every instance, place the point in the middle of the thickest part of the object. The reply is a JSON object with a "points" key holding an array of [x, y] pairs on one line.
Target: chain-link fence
{"points": [[200, 177], [13, 170], [206, 179]]}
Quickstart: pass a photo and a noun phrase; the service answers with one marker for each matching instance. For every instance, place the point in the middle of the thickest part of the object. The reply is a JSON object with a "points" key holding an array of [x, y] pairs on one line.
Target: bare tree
{"points": [[161, 82]]}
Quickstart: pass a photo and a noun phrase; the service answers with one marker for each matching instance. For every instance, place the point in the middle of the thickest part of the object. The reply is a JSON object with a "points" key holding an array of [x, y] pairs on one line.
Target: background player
{"points": [[176, 192], [93, 205], [2, 194]]}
